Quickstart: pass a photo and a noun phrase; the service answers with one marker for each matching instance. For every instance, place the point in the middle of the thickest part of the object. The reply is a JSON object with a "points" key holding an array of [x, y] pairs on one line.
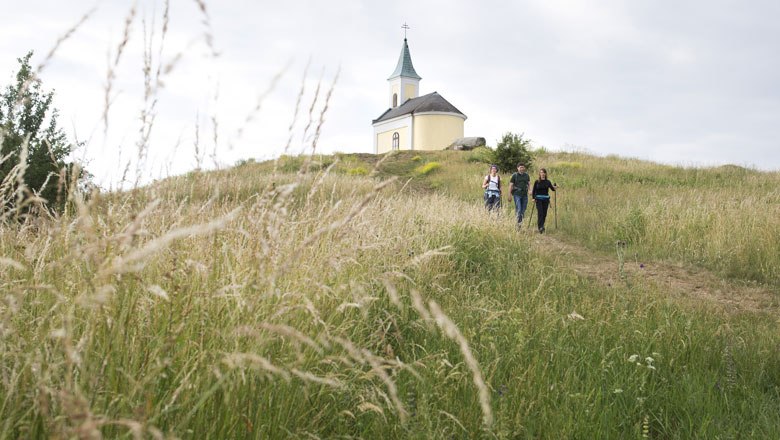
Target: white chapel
{"points": [[414, 122]]}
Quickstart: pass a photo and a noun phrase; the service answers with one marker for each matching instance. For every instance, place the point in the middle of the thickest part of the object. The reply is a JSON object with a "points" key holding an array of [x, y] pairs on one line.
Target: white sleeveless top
{"points": [[492, 183]]}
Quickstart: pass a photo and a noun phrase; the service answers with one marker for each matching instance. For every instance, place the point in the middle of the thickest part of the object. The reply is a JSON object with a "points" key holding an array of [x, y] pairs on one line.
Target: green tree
{"points": [[33, 149], [511, 150]]}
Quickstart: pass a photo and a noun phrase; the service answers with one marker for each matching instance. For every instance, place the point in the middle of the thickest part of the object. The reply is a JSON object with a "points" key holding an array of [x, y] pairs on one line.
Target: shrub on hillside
{"points": [[428, 168], [480, 154], [325, 161], [511, 150], [290, 164], [34, 150], [244, 162], [358, 171]]}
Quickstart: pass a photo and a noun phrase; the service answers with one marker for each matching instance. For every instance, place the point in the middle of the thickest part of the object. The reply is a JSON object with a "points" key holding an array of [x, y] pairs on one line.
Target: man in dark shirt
{"points": [[518, 190]]}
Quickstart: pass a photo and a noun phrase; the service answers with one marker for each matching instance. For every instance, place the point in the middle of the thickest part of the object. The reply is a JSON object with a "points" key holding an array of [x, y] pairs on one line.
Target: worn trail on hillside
{"points": [[686, 282]]}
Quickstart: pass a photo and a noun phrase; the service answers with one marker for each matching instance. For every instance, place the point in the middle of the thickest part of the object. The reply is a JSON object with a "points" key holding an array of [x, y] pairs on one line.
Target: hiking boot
{"points": [[541, 230]]}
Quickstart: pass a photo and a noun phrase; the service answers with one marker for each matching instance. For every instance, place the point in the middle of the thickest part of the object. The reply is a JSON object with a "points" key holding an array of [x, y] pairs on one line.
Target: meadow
{"points": [[356, 296]]}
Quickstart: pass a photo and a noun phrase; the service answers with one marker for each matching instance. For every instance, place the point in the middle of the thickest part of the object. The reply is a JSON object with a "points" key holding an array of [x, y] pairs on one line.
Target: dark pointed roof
{"points": [[404, 66], [432, 102]]}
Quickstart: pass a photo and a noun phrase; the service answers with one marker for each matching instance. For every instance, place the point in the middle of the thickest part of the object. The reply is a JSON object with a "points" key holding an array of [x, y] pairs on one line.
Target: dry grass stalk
{"points": [[392, 293], [318, 184], [419, 305], [215, 128], [132, 229], [452, 332], [364, 356], [284, 330], [257, 362], [196, 142], [134, 260], [355, 211], [11, 263], [318, 130], [418, 260], [111, 75], [208, 34], [312, 107], [258, 105], [308, 377], [61, 40], [163, 34]]}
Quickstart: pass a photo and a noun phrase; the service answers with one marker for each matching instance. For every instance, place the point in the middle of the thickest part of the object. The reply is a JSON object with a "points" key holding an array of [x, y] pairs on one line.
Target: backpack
{"points": [[498, 182]]}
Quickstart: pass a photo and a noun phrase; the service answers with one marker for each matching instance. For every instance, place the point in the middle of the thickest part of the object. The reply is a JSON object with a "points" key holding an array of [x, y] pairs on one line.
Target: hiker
{"points": [[492, 187], [542, 198], [518, 191]]}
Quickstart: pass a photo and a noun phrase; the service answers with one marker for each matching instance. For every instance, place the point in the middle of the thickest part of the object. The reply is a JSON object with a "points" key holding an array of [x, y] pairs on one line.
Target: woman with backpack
{"points": [[492, 187], [540, 194]]}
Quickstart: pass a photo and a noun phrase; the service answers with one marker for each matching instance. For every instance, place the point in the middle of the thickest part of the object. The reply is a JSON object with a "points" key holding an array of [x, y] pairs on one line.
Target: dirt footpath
{"points": [[677, 280]]}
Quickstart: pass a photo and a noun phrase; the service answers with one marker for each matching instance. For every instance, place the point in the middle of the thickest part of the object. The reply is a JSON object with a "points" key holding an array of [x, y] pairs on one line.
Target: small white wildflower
{"points": [[651, 367], [617, 391], [649, 360], [575, 316], [633, 358]]}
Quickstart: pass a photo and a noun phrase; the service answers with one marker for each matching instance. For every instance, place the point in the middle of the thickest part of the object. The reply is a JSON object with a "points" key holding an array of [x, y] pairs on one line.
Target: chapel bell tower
{"points": [[404, 82]]}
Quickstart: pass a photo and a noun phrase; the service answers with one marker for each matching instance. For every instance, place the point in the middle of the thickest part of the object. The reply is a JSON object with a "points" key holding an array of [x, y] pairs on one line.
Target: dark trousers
{"points": [[493, 202], [541, 208]]}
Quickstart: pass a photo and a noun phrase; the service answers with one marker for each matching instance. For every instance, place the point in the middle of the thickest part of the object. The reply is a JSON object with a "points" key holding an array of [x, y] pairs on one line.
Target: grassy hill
{"points": [[372, 297]]}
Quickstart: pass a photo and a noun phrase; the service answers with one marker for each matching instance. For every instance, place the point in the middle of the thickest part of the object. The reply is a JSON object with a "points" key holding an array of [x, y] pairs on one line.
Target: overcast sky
{"points": [[687, 82]]}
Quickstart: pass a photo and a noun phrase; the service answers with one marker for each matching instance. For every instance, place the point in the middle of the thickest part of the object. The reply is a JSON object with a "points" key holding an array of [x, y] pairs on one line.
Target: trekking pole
{"points": [[555, 206], [532, 214]]}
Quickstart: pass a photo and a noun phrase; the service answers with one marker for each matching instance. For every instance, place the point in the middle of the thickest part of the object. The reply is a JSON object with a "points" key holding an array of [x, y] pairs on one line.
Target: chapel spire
{"points": [[404, 67], [404, 82]]}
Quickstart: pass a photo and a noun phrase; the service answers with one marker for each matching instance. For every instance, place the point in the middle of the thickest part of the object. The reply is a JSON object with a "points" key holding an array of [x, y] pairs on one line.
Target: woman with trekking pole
{"points": [[492, 187], [540, 194]]}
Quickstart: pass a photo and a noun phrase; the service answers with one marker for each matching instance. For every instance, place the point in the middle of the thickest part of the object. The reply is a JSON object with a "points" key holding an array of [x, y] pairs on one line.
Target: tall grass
{"points": [[238, 304], [306, 299], [724, 219]]}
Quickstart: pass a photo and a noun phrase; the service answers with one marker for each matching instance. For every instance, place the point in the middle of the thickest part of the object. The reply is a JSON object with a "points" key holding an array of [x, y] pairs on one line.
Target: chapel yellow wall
{"points": [[408, 93], [385, 140], [436, 132]]}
